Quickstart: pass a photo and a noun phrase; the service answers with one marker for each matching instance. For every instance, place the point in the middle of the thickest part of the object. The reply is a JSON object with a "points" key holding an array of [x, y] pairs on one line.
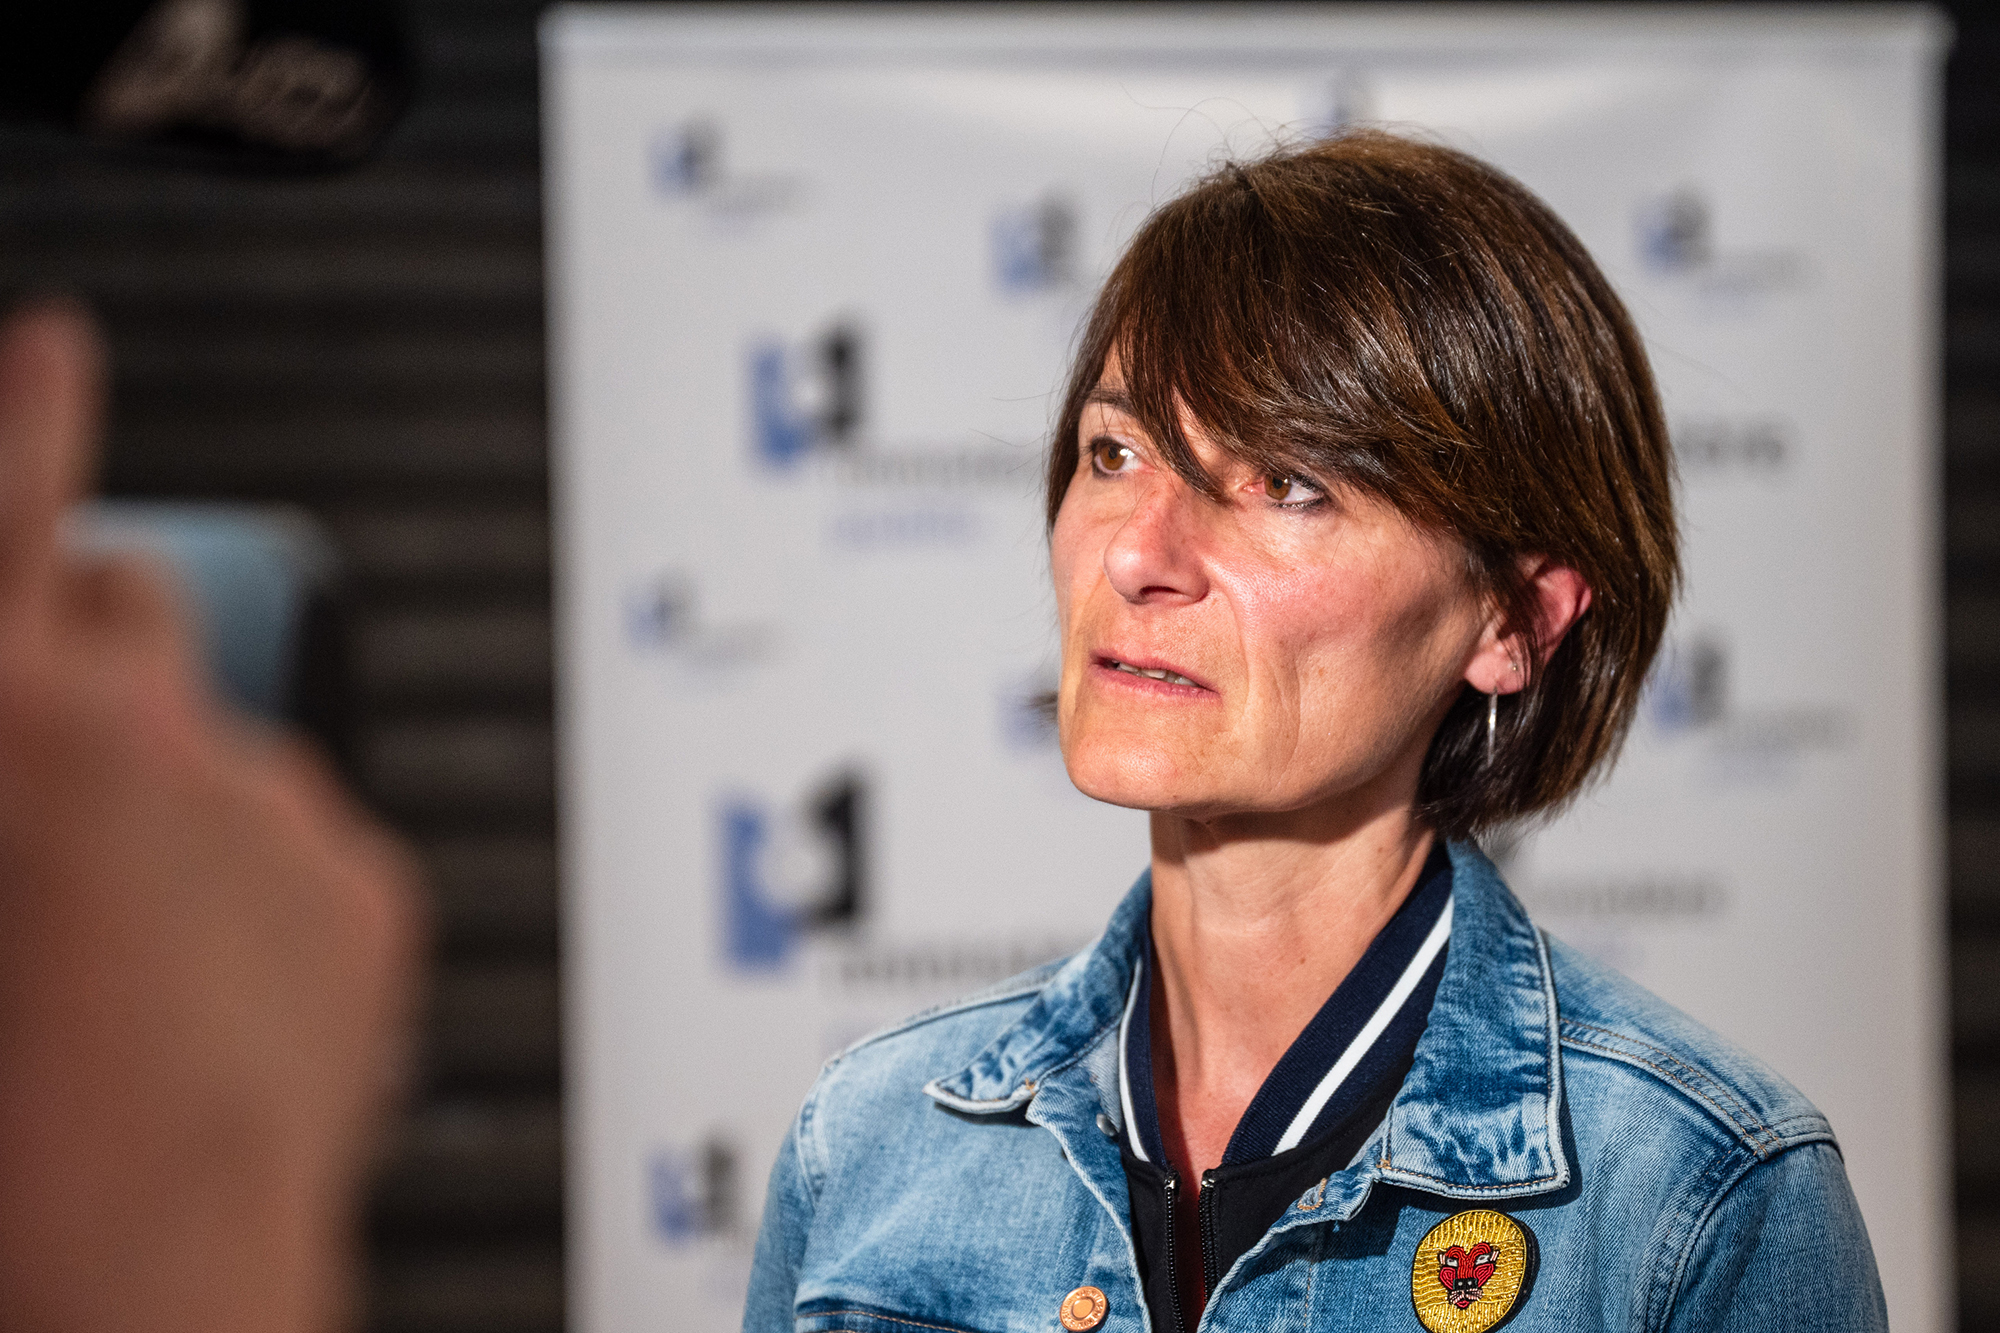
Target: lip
{"points": [[1102, 667]]}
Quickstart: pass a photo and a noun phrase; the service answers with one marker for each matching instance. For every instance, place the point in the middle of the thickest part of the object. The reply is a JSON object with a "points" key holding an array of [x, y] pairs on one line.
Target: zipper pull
{"points": [[1209, 1257], [1172, 1189]]}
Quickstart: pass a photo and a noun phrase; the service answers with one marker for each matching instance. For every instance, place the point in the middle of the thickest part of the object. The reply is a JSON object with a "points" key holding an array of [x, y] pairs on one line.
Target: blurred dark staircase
{"points": [[369, 347], [1971, 512]]}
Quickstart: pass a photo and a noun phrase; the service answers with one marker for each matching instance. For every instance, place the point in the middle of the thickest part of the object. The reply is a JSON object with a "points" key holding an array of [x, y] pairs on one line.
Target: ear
{"points": [[1500, 664]]}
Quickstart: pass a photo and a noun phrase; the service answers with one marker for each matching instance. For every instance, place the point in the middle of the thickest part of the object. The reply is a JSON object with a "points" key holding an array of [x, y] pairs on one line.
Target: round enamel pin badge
{"points": [[1470, 1271]]}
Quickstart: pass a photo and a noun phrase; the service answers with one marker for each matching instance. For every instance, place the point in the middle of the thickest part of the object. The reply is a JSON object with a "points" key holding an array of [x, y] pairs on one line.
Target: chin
{"points": [[1143, 758], [1135, 778]]}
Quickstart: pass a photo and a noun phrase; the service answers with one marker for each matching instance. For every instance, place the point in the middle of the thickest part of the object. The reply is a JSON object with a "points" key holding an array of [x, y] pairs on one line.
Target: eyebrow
{"points": [[1114, 398]]}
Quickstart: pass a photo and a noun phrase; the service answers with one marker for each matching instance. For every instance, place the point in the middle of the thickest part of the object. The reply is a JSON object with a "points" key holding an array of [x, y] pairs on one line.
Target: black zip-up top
{"points": [[1319, 1105]]}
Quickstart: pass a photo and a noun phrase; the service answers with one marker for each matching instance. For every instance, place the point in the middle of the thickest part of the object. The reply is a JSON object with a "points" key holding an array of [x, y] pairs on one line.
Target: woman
{"points": [[1362, 535]]}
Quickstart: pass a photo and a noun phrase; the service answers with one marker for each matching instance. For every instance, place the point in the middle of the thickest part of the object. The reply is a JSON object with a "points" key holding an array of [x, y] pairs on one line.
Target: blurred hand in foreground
{"points": [[207, 951]]}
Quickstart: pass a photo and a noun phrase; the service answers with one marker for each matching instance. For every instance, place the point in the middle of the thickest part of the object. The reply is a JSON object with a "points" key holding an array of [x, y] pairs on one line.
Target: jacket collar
{"points": [[1479, 1114], [1075, 1008]]}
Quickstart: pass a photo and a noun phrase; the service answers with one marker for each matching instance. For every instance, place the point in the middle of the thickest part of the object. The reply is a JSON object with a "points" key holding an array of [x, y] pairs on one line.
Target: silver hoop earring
{"points": [[1492, 721]]}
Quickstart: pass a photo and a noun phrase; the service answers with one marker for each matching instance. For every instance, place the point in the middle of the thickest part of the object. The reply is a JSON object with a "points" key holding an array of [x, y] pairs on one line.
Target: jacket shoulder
{"points": [[873, 1092], [905, 1055], [983, 1011], [1609, 1017]]}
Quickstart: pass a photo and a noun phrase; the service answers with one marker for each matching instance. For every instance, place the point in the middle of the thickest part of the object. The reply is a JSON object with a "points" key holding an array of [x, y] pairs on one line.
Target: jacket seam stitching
{"points": [[1799, 1119], [930, 1016], [1453, 1186], [1321, 1243], [885, 1318], [1691, 1080], [811, 1167], [1723, 1175], [1553, 1082], [987, 1105]]}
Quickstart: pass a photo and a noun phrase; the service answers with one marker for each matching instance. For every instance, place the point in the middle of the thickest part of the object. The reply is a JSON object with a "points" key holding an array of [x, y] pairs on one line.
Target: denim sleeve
{"points": [[781, 1244], [1784, 1249]]}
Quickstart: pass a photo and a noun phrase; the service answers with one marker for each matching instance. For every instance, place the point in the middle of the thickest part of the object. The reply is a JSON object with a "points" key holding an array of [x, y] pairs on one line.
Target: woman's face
{"points": [[1274, 650]]}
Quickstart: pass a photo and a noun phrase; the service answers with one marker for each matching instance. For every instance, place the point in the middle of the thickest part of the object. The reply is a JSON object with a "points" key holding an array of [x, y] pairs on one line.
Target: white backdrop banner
{"points": [[814, 275]]}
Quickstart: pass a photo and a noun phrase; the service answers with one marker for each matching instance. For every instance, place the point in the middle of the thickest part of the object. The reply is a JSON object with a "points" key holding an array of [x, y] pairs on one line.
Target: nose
{"points": [[1153, 555]]}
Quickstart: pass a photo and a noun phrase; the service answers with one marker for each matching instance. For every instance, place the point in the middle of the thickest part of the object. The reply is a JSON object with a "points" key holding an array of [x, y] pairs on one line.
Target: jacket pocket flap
{"points": [[860, 1319]]}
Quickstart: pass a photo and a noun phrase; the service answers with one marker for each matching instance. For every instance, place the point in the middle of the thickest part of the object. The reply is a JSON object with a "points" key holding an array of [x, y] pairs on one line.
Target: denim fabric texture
{"points": [[955, 1173]]}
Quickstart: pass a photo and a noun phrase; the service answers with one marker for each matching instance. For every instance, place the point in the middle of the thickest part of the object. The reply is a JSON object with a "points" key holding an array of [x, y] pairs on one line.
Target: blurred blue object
{"points": [[249, 572]]}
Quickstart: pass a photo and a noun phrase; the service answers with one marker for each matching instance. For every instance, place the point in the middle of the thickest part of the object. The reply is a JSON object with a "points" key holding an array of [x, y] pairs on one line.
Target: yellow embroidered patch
{"points": [[1470, 1270]]}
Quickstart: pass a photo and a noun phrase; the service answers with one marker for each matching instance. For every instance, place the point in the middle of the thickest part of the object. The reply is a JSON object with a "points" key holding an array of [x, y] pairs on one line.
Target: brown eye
{"points": [[1292, 492], [1109, 456]]}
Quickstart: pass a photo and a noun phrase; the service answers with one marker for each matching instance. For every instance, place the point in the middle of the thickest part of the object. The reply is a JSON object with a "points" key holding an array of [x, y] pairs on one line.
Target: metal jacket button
{"points": [[1083, 1309], [1104, 1125]]}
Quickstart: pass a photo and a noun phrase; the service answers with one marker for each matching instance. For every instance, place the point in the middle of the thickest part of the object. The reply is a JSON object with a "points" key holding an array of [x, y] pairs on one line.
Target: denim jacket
{"points": [[960, 1172]]}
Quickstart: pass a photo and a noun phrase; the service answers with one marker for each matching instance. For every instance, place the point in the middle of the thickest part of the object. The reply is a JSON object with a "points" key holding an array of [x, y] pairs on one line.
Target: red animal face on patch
{"points": [[1463, 1273]]}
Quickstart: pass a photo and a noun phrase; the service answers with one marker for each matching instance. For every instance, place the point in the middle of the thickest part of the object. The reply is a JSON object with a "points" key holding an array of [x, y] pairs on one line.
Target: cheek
{"points": [[1069, 555], [1305, 622], [1336, 638]]}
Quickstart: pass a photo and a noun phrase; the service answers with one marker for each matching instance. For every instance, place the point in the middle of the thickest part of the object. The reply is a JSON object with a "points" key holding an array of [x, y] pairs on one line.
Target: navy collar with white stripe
{"points": [[1365, 1031]]}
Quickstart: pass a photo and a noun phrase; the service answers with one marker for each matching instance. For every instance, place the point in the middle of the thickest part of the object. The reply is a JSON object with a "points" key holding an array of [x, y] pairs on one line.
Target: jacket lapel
{"points": [[1480, 1114]]}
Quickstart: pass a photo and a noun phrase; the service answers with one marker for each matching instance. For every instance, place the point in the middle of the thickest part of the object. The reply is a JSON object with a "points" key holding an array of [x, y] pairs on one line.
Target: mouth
{"points": [[1165, 675]]}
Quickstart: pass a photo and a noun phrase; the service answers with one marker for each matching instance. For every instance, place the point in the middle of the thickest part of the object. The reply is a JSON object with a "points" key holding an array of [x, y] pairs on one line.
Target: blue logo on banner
{"points": [[1674, 232], [692, 1194], [805, 398], [675, 1207], [688, 158], [1034, 248], [661, 613], [785, 873], [1345, 99], [1677, 240], [1688, 688], [687, 164]]}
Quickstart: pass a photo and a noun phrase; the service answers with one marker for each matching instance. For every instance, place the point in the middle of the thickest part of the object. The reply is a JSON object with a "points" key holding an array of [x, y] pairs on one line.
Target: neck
{"points": [[1256, 920]]}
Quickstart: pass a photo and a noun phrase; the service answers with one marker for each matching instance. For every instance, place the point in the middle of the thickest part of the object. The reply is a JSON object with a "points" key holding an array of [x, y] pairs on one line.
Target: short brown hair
{"points": [[1396, 316]]}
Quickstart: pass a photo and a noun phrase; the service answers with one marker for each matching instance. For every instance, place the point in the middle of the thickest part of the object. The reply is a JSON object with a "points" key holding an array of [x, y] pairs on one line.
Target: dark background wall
{"points": [[369, 347], [1971, 561]]}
